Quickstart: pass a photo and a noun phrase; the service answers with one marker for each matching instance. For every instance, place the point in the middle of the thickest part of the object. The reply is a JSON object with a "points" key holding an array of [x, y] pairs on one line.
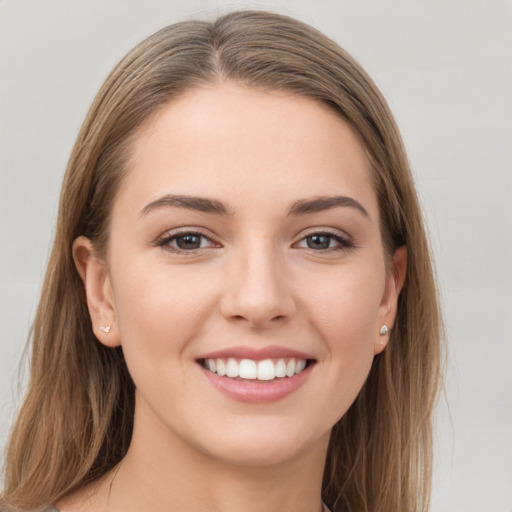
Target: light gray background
{"points": [[445, 67]]}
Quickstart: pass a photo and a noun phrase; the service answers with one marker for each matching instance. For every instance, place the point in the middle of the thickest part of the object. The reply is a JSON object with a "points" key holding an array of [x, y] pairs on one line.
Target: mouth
{"points": [[257, 374], [265, 370]]}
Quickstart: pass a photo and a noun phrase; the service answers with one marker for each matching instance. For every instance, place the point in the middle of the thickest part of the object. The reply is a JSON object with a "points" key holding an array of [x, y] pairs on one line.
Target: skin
{"points": [[254, 281]]}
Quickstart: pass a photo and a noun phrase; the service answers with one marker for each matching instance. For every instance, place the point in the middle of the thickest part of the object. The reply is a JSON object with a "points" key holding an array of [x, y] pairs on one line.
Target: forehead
{"points": [[236, 141]]}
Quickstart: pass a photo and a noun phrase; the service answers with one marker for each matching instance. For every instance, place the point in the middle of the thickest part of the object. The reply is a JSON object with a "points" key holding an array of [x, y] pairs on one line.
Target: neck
{"points": [[172, 474]]}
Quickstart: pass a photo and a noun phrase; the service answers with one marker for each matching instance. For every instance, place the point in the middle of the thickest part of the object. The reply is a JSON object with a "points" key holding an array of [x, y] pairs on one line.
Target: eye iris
{"points": [[318, 241], [189, 241]]}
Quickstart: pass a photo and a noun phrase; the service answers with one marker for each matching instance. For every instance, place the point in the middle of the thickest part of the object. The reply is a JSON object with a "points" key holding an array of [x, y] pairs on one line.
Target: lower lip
{"points": [[257, 391]]}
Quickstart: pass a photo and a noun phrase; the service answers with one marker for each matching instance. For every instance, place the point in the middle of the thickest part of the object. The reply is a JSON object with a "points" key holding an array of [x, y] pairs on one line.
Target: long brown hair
{"points": [[76, 420]]}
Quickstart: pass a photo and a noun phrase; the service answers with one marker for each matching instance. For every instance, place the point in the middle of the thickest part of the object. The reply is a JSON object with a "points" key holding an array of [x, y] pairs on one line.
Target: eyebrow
{"points": [[200, 204], [319, 204], [213, 206]]}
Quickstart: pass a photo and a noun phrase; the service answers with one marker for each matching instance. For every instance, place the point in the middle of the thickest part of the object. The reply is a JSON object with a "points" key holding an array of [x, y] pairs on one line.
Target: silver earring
{"points": [[105, 329], [384, 330]]}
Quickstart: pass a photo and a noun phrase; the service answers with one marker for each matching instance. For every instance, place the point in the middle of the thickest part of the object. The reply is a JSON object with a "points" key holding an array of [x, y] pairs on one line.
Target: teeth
{"points": [[221, 367], [290, 368], [301, 364], [267, 369], [232, 368], [248, 369], [281, 368]]}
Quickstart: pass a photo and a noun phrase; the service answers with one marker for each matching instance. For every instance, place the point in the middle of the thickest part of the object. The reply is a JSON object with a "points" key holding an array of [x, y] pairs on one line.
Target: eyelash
{"points": [[343, 243], [166, 241]]}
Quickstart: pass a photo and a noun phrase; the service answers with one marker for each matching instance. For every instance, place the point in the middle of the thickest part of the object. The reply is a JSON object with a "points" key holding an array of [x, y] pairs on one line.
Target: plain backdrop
{"points": [[445, 68]]}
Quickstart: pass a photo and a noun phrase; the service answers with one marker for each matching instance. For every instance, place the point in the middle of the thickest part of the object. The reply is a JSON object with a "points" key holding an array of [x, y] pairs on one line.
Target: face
{"points": [[245, 241]]}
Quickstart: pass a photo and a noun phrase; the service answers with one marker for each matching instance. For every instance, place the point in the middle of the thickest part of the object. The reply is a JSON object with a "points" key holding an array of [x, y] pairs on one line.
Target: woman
{"points": [[239, 311]]}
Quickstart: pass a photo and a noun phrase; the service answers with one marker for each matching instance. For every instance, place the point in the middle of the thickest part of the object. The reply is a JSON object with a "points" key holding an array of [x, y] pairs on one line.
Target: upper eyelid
{"points": [[335, 232], [193, 230]]}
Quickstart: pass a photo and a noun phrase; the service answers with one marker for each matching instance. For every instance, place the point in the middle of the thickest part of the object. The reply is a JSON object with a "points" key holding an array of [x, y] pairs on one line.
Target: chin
{"points": [[264, 442]]}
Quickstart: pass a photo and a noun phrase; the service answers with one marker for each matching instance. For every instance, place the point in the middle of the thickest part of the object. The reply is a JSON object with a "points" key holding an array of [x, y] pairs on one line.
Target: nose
{"points": [[258, 290]]}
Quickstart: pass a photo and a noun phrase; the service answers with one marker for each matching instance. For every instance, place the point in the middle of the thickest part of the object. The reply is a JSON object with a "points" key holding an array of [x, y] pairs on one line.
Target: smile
{"points": [[250, 369]]}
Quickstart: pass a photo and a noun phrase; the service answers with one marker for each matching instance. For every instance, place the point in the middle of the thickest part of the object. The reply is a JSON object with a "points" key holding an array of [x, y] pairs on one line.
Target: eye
{"points": [[324, 242], [187, 241]]}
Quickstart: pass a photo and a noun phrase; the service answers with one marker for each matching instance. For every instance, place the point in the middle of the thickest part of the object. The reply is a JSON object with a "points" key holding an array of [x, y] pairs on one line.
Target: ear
{"points": [[395, 279], [100, 298]]}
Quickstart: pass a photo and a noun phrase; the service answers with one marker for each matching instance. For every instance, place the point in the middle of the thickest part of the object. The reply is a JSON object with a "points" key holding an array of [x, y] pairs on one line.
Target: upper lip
{"points": [[256, 353]]}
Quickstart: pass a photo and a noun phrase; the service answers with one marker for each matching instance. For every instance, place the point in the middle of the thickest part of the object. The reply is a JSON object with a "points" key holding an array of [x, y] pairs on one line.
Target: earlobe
{"points": [[100, 299], [394, 283]]}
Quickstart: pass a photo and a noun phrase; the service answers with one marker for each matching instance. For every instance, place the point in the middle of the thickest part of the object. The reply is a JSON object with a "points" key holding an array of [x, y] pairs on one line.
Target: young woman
{"points": [[239, 311]]}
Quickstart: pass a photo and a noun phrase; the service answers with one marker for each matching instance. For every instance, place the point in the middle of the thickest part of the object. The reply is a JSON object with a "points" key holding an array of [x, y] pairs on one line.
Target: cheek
{"points": [[159, 309], [348, 306], [345, 315]]}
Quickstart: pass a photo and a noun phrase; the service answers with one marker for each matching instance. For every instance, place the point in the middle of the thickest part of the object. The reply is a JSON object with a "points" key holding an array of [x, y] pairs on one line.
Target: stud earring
{"points": [[384, 330], [105, 329]]}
